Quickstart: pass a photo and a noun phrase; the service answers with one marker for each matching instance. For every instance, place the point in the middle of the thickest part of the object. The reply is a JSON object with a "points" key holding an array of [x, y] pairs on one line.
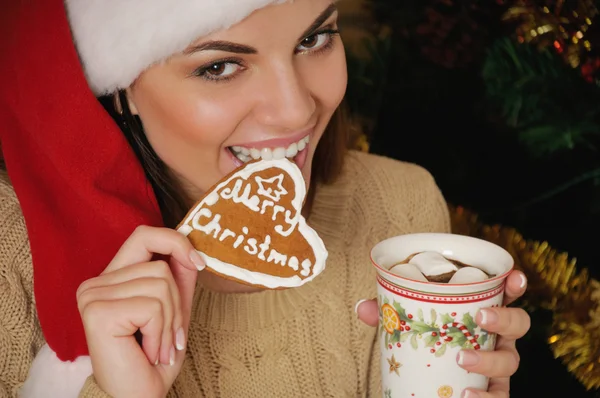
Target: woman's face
{"points": [[266, 87]]}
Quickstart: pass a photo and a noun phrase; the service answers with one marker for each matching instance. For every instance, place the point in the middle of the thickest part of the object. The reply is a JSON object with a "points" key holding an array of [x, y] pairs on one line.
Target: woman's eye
{"points": [[221, 70], [314, 42]]}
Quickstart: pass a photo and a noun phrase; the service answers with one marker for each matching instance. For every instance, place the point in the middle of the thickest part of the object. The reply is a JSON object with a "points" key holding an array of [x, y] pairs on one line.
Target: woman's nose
{"points": [[285, 102]]}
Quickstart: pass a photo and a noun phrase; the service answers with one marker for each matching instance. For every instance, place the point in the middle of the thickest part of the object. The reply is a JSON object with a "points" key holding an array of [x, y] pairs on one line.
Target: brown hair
{"points": [[173, 202]]}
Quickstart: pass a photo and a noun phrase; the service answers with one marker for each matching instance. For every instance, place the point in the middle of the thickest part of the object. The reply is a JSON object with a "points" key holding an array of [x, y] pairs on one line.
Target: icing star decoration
{"points": [[394, 365], [272, 187]]}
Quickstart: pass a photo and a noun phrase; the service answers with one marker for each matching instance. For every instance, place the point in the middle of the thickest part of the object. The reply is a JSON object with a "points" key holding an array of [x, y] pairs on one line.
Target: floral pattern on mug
{"points": [[442, 330]]}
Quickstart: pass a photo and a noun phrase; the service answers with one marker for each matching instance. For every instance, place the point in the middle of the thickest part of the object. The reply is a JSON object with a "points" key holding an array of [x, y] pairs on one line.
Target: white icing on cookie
{"points": [[264, 202]]}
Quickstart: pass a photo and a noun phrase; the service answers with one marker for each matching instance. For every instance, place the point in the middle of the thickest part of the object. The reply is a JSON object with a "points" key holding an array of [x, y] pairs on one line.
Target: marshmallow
{"points": [[408, 271], [432, 263], [468, 275]]}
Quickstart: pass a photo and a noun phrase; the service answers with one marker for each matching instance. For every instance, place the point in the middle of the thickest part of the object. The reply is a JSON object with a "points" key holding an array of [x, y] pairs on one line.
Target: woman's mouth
{"points": [[246, 154]]}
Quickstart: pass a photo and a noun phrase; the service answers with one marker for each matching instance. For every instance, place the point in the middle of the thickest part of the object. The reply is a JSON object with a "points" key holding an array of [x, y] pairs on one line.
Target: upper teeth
{"points": [[246, 154]]}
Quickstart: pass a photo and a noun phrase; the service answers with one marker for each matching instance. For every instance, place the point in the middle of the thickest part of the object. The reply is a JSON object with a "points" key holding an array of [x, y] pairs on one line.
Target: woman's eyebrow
{"points": [[220, 45], [319, 21], [227, 46]]}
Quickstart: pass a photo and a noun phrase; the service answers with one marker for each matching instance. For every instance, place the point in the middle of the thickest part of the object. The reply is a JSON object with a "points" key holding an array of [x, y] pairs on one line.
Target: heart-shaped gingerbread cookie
{"points": [[249, 227]]}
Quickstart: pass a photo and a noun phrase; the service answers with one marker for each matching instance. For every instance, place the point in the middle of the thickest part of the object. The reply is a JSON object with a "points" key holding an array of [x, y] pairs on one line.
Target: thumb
{"points": [[186, 278], [368, 312]]}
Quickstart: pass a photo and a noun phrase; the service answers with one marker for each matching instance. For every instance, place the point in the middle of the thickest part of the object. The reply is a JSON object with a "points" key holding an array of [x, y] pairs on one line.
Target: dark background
{"points": [[511, 134]]}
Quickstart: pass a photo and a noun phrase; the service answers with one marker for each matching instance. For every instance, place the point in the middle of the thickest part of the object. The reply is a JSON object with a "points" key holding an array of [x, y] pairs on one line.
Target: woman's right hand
{"points": [[136, 293]]}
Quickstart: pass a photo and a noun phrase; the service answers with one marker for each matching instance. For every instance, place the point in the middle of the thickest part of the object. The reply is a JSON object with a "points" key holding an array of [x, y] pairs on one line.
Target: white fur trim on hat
{"points": [[118, 39], [49, 377]]}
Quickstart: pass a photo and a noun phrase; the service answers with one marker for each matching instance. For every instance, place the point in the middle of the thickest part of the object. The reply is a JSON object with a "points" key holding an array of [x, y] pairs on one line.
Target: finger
{"points": [[498, 388], [154, 269], [156, 288], [151, 269], [485, 394], [157, 269], [516, 285], [367, 311], [145, 241], [498, 363], [504, 343], [512, 323], [185, 280], [121, 319]]}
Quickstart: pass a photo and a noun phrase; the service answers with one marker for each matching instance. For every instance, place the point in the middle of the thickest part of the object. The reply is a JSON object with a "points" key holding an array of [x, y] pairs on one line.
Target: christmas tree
{"points": [[524, 73]]}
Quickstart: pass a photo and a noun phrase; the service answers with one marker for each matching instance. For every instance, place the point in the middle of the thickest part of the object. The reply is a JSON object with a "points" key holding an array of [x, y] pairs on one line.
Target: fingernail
{"points": [[488, 317], [180, 339], [470, 394], [467, 358], [523, 281], [157, 361], [197, 260], [357, 304], [172, 356]]}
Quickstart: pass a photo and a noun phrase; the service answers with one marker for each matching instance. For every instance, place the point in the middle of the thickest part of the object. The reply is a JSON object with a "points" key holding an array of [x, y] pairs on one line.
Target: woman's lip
{"points": [[278, 142], [300, 158], [237, 163]]}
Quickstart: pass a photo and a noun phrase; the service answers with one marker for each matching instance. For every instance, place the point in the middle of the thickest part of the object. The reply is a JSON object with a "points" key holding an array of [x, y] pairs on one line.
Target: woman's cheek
{"points": [[339, 78], [330, 79], [202, 124]]}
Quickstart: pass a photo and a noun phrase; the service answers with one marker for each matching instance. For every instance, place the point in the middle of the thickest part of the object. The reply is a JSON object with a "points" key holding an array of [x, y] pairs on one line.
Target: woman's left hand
{"points": [[509, 323]]}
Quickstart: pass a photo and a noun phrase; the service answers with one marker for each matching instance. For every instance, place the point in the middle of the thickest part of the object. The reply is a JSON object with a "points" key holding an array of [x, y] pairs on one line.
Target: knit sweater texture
{"points": [[301, 342]]}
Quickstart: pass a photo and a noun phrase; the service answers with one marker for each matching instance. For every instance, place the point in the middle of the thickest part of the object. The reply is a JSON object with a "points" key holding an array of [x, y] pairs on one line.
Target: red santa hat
{"points": [[80, 187]]}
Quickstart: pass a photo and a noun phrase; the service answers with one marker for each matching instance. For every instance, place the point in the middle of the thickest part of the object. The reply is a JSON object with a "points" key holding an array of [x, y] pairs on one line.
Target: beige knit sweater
{"points": [[303, 342]]}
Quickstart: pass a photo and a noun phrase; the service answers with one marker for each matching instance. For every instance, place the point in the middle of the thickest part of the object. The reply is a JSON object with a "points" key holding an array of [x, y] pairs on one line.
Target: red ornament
{"points": [[453, 314], [410, 316], [432, 350], [407, 328], [590, 70]]}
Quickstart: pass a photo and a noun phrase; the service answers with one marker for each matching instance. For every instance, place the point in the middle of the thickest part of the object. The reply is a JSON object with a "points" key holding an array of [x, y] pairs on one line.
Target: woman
{"points": [[198, 88]]}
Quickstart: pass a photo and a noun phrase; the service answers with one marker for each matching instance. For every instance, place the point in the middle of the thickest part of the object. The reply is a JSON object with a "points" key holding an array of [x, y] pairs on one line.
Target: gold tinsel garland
{"points": [[555, 284]]}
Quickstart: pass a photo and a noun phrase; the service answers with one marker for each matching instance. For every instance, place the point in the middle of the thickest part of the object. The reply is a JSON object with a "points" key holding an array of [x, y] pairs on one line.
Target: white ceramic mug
{"points": [[423, 325]]}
